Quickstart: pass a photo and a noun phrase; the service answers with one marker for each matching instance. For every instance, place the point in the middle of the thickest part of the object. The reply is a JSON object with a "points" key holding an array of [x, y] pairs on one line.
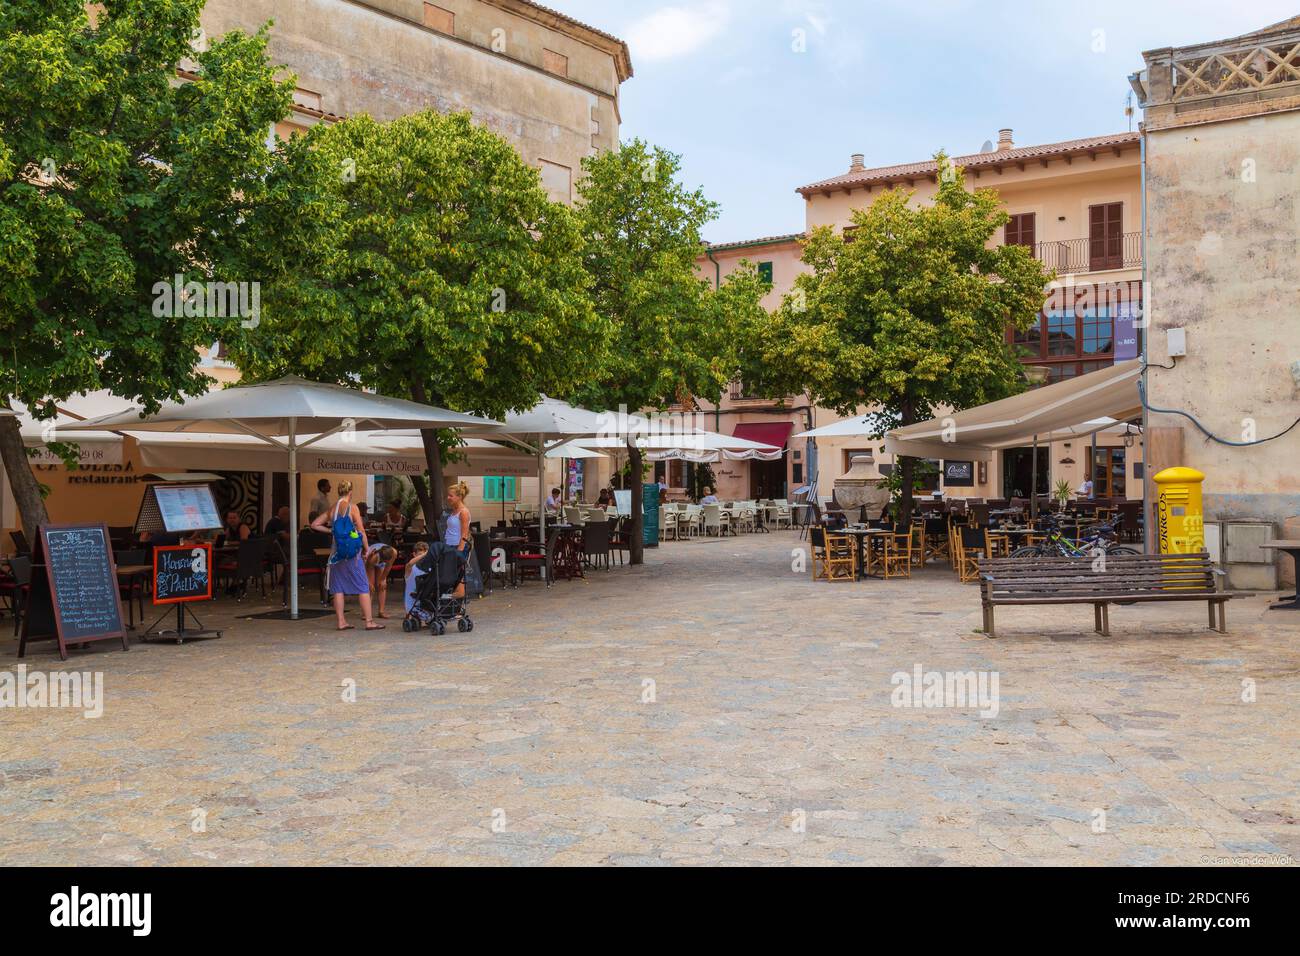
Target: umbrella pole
{"points": [[1033, 485], [292, 570], [541, 496]]}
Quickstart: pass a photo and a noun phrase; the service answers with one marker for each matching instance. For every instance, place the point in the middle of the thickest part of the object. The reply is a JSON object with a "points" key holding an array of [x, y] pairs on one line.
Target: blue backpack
{"points": [[347, 540]]}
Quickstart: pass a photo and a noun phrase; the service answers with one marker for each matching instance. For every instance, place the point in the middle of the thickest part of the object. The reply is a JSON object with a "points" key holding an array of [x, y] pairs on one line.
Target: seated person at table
{"points": [[553, 500], [709, 498], [1085, 489], [605, 500], [379, 561], [413, 573], [394, 520], [234, 530], [278, 527]]}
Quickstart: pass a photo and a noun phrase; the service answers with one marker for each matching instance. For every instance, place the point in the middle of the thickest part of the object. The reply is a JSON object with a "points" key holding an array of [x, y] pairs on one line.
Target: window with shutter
{"points": [[765, 272], [1020, 230], [1106, 236]]}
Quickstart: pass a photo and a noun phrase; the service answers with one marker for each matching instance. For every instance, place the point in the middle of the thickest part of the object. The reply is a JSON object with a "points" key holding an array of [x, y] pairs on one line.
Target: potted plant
{"points": [[1062, 493]]}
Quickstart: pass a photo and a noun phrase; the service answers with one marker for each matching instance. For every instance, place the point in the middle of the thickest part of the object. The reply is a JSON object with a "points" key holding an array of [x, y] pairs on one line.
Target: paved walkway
{"points": [[713, 706]]}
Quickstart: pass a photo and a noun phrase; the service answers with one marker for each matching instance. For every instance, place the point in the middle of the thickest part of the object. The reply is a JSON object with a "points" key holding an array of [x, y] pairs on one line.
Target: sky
{"points": [[763, 96]]}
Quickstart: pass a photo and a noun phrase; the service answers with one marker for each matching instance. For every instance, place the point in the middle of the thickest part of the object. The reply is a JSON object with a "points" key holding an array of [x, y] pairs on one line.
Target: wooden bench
{"points": [[1122, 579]]}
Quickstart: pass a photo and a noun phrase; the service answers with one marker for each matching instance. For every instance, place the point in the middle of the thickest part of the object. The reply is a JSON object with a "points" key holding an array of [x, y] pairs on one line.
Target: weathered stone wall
{"points": [[378, 57], [1223, 259]]}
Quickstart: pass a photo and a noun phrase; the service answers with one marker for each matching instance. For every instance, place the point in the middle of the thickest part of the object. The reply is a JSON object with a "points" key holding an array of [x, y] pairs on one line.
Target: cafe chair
{"points": [[969, 547], [534, 557], [136, 586], [667, 522], [595, 544], [618, 537], [249, 564], [996, 545], [834, 556], [715, 522], [892, 556], [16, 588]]}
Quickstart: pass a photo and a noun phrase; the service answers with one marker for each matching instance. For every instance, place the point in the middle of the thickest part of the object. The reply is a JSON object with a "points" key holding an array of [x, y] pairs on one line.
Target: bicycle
{"points": [[1103, 537]]}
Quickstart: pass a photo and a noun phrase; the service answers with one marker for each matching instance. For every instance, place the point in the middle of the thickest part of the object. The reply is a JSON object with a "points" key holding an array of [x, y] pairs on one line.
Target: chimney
{"points": [[1004, 140], [857, 163]]}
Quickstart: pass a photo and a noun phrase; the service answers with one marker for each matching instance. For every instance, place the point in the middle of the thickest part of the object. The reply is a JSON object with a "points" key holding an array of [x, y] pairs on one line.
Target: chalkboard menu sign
{"points": [[182, 573], [650, 515], [74, 594]]}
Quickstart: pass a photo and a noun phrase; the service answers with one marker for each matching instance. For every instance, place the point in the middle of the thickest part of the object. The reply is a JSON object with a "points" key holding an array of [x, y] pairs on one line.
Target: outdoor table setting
{"points": [[865, 538], [1290, 546]]}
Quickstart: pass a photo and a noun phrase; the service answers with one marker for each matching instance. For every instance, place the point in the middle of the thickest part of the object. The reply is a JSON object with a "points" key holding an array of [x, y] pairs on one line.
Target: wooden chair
{"points": [[996, 545], [969, 549], [837, 555], [892, 555]]}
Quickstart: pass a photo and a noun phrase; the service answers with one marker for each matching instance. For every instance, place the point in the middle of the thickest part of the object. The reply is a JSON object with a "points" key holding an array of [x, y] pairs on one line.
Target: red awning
{"points": [[769, 433]]}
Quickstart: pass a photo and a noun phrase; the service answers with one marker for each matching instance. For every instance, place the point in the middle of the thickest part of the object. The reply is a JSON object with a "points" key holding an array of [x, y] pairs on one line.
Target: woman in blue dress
{"points": [[347, 575], [458, 534]]}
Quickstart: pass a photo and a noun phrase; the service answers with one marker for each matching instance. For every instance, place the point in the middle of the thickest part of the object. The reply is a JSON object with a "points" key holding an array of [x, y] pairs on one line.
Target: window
{"points": [[500, 489], [556, 63], [1098, 331], [1061, 333], [1019, 230], [1108, 473], [444, 21], [557, 180], [1106, 236], [765, 272]]}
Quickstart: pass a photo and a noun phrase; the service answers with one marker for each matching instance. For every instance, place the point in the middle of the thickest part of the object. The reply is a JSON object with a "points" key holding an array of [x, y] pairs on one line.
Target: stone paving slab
{"points": [[711, 707]]}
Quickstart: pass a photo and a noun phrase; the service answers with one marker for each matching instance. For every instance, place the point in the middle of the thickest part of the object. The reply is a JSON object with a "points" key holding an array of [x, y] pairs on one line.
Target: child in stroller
{"points": [[434, 604]]}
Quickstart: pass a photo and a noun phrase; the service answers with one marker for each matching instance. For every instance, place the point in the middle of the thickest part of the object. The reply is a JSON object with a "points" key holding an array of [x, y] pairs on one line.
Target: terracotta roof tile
{"points": [[883, 174], [763, 241]]}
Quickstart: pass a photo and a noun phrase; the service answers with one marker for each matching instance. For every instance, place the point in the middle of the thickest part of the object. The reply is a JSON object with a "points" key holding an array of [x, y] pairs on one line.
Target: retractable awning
{"points": [[765, 433], [1072, 408]]}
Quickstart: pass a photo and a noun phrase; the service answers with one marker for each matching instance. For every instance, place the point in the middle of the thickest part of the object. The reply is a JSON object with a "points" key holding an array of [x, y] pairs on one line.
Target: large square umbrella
{"points": [[278, 413]]}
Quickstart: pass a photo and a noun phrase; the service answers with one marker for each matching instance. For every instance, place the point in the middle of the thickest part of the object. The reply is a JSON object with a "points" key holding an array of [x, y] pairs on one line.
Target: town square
{"points": [[635, 434]]}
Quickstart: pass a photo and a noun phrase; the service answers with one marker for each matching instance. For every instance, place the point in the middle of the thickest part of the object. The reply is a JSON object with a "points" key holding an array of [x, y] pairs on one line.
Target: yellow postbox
{"points": [[1180, 516]]}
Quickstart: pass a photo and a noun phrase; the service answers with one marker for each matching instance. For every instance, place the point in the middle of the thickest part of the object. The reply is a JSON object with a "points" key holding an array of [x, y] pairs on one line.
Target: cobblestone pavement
{"points": [[710, 707]]}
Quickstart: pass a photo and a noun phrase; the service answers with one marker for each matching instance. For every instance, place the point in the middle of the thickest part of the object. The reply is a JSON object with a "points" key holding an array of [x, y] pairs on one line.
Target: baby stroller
{"points": [[433, 606]]}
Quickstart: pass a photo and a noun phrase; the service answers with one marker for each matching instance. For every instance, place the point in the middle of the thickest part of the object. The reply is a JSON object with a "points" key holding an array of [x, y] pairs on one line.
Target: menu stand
{"points": [[180, 634]]}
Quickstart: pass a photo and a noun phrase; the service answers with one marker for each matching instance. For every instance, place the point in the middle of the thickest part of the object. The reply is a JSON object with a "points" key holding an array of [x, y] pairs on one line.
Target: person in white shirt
{"points": [[1085, 489], [709, 497], [553, 500]]}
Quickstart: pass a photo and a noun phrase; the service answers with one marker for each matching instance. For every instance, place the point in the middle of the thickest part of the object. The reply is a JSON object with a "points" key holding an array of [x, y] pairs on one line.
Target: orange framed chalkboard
{"points": [[182, 573]]}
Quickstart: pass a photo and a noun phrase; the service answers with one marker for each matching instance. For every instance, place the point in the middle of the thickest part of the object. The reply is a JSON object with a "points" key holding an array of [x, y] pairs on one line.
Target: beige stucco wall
{"points": [[1224, 264], [377, 57]]}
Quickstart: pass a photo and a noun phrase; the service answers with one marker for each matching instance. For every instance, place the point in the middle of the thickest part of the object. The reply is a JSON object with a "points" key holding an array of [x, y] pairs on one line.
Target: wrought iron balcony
{"points": [[1072, 256]]}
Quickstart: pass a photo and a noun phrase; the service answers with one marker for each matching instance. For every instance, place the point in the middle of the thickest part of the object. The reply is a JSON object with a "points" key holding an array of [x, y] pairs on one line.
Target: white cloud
{"points": [[672, 32]]}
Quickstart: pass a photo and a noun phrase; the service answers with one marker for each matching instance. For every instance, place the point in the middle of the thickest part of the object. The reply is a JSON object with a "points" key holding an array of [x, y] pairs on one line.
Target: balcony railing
{"points": [[1072, 256]]}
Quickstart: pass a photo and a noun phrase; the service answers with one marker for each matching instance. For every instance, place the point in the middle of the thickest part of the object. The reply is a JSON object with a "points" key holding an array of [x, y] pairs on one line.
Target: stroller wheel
{"points": [[469, 625], [439, 628], [463, 625], [406, 625]]}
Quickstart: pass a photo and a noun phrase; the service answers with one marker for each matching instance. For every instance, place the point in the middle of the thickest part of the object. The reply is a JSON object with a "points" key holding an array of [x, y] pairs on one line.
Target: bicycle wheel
{"points": [[1123, 549], [1028, 551]]}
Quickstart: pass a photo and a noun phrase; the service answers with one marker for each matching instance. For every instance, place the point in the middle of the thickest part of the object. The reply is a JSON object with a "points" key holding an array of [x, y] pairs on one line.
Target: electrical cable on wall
{"points": [[1142, 394]]}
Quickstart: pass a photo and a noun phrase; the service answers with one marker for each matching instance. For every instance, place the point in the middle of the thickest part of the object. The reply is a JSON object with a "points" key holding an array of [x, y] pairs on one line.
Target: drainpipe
{"points": [[1146, 347], [717, 284]]}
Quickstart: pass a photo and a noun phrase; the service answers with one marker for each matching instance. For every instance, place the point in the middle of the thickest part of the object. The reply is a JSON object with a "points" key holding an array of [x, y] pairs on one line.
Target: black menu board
{"points": [[182, 573], [74, 593]]}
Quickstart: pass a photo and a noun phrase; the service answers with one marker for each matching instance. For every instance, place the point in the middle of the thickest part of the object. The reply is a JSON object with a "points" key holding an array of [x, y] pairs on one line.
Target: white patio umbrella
{"points": [[280, 413]]}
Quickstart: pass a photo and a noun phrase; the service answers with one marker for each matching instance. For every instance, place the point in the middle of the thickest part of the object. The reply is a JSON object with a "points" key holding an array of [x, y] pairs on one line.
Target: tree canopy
{"points": [[433, 265], [672, 337], [908, 313], [114, 178]]}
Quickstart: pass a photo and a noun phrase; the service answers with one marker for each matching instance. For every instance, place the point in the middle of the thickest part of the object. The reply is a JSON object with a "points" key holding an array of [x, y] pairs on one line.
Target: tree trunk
{"points": [[422, 496], [636, 543], [908, 464], [431, 497], [22, 480], [905, 501]]}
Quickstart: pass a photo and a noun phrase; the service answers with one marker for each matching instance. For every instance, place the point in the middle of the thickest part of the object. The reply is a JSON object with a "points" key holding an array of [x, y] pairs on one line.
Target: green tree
{"points": [[907, 317], [114, 178], [673, 337], [433, 265]]}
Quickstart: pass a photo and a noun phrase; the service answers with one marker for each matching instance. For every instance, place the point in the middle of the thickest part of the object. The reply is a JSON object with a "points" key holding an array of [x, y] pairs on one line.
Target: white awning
{"points": [[1069, 409]]}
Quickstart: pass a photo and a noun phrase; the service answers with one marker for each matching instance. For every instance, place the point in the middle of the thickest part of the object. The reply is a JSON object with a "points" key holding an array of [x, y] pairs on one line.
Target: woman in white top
{"points": [[709, 497]]}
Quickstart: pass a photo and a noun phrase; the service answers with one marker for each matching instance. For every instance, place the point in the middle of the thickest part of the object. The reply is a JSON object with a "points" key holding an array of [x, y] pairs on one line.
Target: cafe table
{"points": [[128, 574], [865, 542], [1292, 547]]}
